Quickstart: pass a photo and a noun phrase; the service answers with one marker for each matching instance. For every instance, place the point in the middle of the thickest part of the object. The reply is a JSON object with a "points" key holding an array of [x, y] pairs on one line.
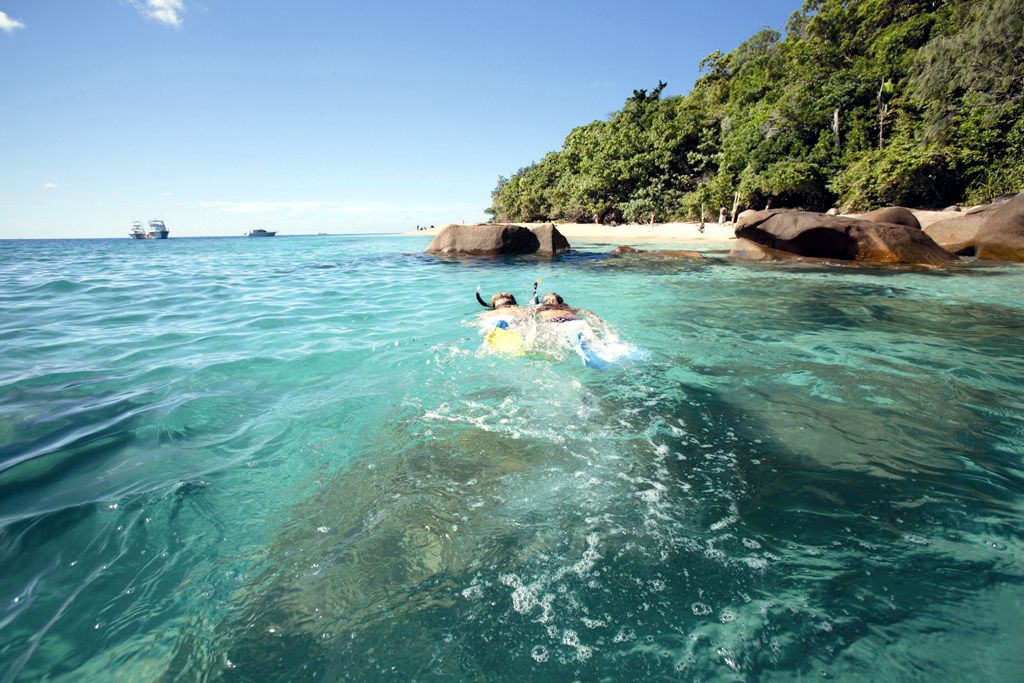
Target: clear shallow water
{"points": [[287, 459]]}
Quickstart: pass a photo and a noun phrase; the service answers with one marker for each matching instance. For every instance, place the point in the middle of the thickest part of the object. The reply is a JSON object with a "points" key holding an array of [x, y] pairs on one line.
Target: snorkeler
{"points": [[505, 325], [503, 305], [553, 309], [579, 329]]}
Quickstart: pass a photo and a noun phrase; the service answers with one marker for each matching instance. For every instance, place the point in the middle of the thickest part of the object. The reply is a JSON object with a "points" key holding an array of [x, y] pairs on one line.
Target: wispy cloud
{"points": [[165, 11], [9, 24], [50, 186]]}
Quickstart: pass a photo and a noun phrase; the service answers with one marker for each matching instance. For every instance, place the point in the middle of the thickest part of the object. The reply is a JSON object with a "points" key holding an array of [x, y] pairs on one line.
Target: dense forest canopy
{"points": [[856, 104]]}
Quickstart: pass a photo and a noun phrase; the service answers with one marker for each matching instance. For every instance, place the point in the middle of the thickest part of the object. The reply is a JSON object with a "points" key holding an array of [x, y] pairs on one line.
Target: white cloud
{"points": [[50, 186], [165, 11], [9, 24]]}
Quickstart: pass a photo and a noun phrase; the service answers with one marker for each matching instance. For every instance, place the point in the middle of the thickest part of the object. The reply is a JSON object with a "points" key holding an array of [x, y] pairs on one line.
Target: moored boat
{"points": [[259, 232], [137, 233], [157, 230]]}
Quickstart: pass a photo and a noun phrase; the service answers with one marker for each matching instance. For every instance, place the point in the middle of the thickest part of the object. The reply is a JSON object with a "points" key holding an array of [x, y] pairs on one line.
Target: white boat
{"points": [[157, 230], [259, 232], [138, 233]]}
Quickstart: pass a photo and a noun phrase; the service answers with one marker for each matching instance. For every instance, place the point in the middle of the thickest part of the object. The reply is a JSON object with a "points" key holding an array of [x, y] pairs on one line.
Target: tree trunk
{"points": [[883, 109], [735, 206], [835, 129]]}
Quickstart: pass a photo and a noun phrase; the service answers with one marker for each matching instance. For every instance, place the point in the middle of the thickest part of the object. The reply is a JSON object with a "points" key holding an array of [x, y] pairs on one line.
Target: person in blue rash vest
{"points": [[553, 309], [574, 326]]}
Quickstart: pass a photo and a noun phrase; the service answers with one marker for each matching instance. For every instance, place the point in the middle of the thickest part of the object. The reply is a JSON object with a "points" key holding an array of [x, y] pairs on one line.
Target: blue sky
{"points": [[222, 115]]}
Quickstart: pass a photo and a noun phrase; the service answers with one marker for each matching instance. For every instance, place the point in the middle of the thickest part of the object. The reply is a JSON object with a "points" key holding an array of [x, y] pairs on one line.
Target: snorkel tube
{"points": [[535, 301], [481, 300]]}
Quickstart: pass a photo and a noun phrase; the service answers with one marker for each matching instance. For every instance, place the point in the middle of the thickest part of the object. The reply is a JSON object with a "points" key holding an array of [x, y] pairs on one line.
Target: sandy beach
{"points": [[715, 234]]}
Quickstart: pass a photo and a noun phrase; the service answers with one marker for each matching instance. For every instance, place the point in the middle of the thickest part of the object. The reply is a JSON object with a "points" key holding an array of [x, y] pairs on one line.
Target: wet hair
{"points": [[502, 299], [552, 299]]}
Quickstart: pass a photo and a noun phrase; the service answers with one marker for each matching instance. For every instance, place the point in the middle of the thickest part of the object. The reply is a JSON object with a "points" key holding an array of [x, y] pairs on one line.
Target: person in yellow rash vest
{"points": [[504, 325]]}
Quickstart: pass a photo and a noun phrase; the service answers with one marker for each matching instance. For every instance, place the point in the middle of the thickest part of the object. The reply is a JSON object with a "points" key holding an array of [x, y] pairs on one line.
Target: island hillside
{"points": [[855, 105]]}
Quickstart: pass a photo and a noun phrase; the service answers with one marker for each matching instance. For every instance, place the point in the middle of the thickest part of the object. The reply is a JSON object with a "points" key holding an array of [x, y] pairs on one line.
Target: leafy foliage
{"points": [[929, 97]]}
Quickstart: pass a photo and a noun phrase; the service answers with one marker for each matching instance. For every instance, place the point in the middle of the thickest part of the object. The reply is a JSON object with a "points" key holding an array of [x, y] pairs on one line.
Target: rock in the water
{"points": [[897, 215], [551, 240], [748, 250], [493, 239], [956, 235], [819, 235], [993, 232], [664, 254]]}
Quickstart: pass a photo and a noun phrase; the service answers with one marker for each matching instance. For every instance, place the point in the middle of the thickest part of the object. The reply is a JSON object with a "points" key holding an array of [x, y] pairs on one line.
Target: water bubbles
{"points": [[727, 616], [915, 539], [624, 635], [539, 654], [756, 562], [700, 609], [323, 529]]}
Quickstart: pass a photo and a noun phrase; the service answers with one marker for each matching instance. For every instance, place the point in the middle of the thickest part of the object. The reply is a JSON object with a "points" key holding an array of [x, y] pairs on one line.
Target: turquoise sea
{"points": [[288, 459]]}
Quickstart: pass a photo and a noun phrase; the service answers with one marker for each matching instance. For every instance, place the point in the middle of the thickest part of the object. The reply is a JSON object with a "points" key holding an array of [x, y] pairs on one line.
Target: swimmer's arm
{"points": [[591, 315]]}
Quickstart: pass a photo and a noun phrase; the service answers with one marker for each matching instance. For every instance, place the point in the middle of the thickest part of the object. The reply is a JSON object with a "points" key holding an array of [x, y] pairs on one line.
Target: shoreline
{"points": [[715, 234], [631, 233]]}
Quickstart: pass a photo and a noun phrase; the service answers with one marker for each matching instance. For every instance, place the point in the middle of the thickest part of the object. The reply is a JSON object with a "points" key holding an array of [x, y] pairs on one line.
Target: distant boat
{"points": [[157, 230], [137, 232], [321, 233], [260, 233]]}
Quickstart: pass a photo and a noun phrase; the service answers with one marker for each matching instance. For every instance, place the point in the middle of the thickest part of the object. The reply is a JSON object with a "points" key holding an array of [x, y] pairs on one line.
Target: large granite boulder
{"points": [[818, 235], [493, 239], [551, 240], [993, 232], [897, 215]]}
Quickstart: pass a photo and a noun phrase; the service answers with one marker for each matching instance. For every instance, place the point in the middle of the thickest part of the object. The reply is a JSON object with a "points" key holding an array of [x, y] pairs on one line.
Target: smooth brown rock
{"points": [[992, 232], [746, 213], [897, 215], [957, 235], [551, 240], [664, 254], [493, 239], [818, 235], [747, 250]]}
